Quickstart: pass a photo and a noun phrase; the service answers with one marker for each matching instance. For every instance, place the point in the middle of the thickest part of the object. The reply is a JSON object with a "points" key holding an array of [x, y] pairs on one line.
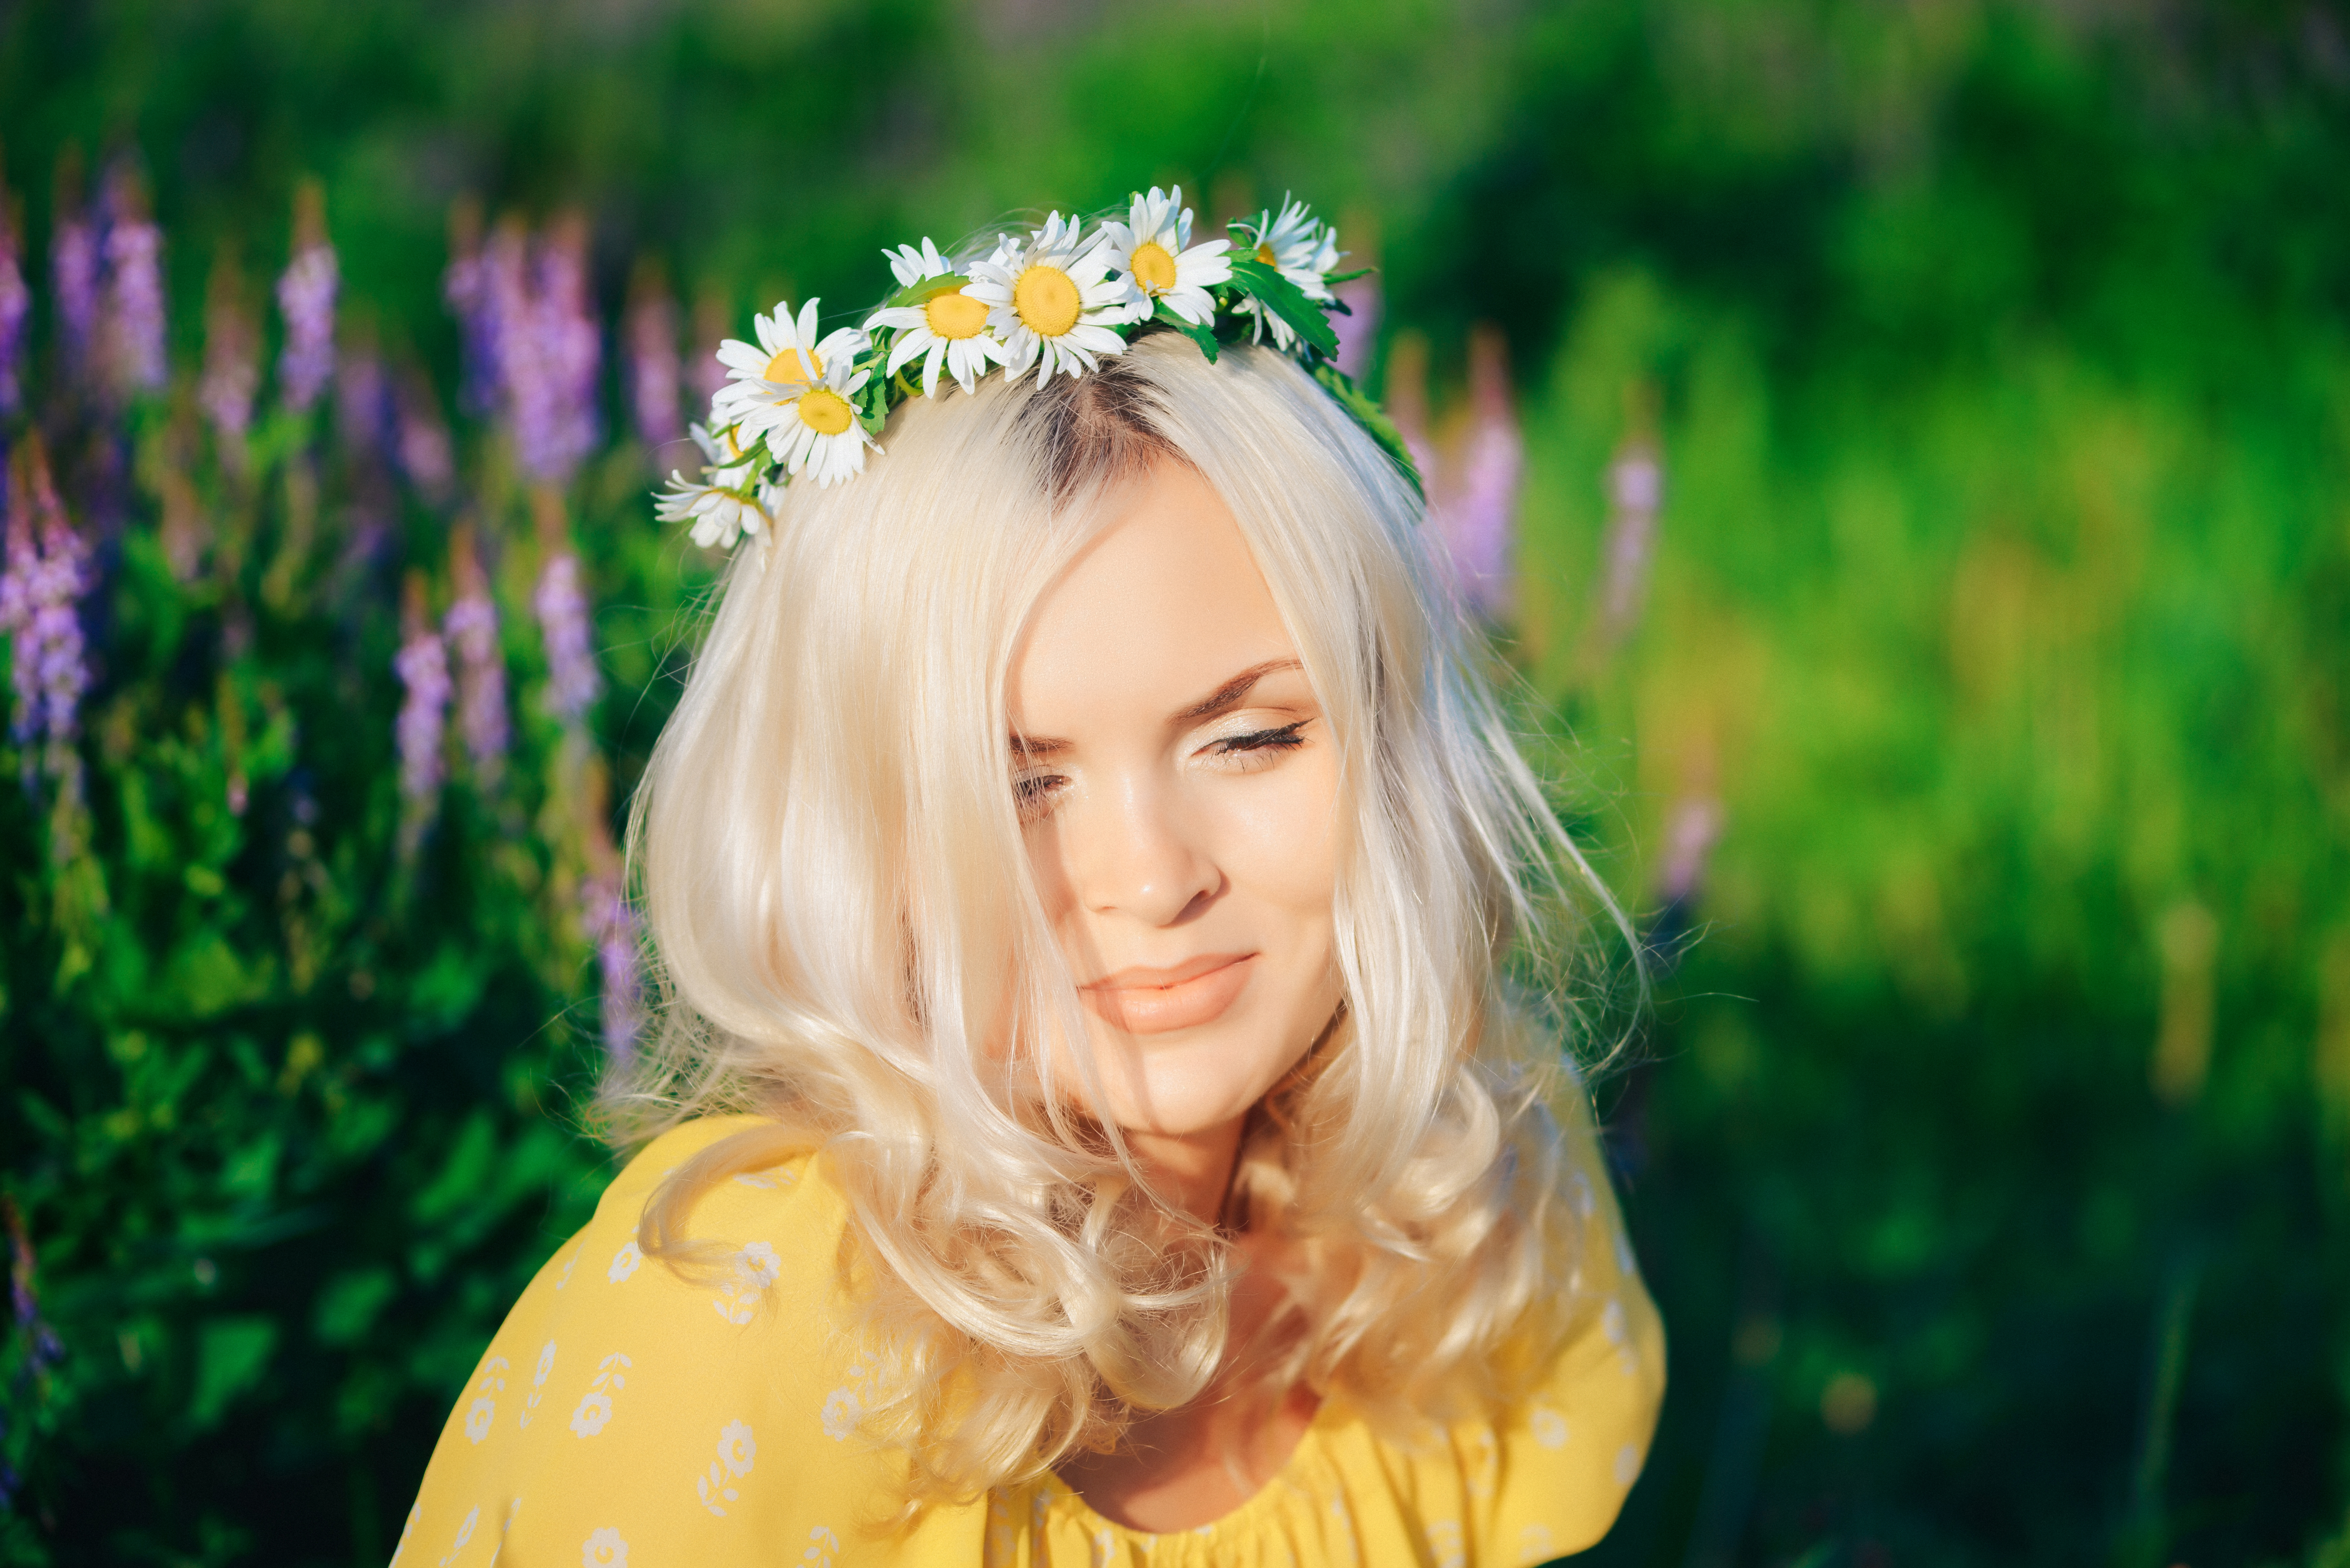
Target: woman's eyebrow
{"points": [[1230, 692]]}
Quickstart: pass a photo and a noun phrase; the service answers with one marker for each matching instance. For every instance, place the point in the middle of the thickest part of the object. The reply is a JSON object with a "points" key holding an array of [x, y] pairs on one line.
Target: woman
{"points": [[1091, 1123]]}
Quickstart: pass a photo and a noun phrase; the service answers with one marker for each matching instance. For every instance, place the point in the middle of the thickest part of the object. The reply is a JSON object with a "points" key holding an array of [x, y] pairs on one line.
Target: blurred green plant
{"points": [[1933, 542], [289, 1008]]}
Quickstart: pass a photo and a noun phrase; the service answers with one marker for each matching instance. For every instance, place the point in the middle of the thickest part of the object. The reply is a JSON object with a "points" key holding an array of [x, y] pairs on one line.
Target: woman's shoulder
{"points": [[1560, 1459], [765, 1158], [693, 1402]]}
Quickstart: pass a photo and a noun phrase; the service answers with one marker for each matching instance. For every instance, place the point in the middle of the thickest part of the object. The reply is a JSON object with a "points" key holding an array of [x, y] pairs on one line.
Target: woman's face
{"points": [[1181, 795]]}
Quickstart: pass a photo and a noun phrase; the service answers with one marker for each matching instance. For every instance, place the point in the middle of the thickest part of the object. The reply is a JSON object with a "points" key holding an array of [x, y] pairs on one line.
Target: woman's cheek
{"points": [[1286, 835]]}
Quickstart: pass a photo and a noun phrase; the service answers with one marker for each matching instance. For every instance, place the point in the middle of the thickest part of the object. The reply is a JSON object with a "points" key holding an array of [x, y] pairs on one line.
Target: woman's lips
{"points": [[1154, 1001]]}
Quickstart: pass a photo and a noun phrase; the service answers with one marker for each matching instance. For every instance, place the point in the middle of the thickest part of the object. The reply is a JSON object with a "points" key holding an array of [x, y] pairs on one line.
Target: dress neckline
{"points": [[1265, 1498]]}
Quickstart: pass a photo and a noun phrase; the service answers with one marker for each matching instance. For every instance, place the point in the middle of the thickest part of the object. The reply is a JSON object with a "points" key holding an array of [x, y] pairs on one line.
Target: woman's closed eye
{"points": [[1034, 794], [1256, 748]]}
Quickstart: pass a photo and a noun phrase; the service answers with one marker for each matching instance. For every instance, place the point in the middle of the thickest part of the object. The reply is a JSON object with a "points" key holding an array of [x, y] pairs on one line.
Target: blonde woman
{"points": [[1091, 1125]]}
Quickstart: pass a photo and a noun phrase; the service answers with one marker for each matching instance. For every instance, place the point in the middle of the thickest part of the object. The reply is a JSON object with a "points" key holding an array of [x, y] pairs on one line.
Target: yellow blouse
{"points": [[626, 1418]]}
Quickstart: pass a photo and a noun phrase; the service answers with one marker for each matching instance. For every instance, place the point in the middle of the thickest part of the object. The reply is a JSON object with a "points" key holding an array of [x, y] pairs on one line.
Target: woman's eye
{"points": [[1285, 739], [1033, 793]]}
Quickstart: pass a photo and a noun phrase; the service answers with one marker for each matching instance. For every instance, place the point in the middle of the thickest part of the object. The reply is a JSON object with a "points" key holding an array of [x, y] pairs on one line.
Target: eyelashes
{"points": [[1285, 739], [1034, 793]]}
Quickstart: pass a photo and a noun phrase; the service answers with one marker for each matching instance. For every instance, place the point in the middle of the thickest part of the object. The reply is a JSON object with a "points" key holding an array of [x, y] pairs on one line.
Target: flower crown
{"points": [[1055, 300]]}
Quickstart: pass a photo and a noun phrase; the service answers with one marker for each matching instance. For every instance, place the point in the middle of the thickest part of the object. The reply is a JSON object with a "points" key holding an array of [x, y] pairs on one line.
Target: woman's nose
{"points": [[1141, 859]]}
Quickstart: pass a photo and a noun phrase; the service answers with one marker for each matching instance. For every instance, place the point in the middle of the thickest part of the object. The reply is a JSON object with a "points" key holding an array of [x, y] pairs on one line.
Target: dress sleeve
{"points": [[626, 1414], [1567, 1455]]}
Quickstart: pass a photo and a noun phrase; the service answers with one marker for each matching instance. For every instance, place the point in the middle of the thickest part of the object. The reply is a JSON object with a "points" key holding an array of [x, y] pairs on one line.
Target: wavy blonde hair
{"points": [[851, 945]]}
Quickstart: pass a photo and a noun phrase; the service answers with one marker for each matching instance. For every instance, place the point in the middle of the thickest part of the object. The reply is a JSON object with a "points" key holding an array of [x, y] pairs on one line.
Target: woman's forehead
{"points": [[1161, 609]]}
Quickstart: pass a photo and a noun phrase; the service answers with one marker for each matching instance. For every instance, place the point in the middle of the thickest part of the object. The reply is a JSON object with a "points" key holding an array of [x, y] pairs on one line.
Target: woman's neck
{"points": [[1191, 1171]]}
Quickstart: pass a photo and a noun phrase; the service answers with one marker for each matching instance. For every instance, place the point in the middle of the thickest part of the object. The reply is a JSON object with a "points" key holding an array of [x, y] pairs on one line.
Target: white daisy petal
{"points": [[1040, 292]]}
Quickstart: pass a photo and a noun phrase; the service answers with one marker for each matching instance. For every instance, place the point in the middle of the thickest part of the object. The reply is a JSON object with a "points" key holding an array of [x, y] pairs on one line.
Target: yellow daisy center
{"points": [[1152, 267], [955, 314], [1047, 299], [1264, 254], [794, 365], [825, 411]]}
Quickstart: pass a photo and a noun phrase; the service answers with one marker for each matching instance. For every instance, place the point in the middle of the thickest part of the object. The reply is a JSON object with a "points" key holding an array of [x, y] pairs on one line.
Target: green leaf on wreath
{"points": [[1205, 337], [1277, 293], [1372, 417]]}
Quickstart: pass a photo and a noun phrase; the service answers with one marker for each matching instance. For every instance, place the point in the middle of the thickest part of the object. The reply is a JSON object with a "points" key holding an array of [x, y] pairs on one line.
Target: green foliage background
{"points": [[1995, 353]]}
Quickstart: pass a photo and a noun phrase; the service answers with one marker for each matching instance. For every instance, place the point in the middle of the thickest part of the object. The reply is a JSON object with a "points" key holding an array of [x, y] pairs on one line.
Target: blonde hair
{"points": [[850, 943]]}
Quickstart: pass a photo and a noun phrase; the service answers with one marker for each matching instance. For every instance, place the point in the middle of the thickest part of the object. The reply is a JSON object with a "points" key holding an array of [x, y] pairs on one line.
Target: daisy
{"points": [[787, 355], [1301, 249], [726, 507], [1150, 247], [799, 394], [950, 325], [1052, 299]]}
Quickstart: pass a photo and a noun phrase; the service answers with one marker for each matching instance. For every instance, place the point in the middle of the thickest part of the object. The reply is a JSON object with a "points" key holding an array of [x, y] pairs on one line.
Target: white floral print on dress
{"points": [[484, 1408], [624, 1263], [595, 1406], [538, 1385], [569, 1264], [756, 1267], [1001, 1539], [736, 1450], [464, 1533], [1535, 1545], [823, 1546], [841, 1410], [1549, 1427], [604, 1548], [1585, 1200], [1628, 1464], [1446, 1544], [415, 1513]]}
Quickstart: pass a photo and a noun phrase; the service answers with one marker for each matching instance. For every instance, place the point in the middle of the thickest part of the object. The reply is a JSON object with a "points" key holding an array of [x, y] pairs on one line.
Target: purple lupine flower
{"points": [[41, 587], [1690, 833], [15, 308], [611, 925], [130, 302], [426, 454], [551, 363], [232, 374], [20, 573], [562, 606], [305, 300], [1479, 518], [653, 366], [73, 273], [472, 628], [363, 413], [422, 666], [1359, 332], [470, 288], [1636, 493], [25, 1299]]}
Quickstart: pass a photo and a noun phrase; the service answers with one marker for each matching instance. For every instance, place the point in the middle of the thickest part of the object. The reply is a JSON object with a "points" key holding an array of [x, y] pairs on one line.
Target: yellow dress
{"points": [[626, 1418]]}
